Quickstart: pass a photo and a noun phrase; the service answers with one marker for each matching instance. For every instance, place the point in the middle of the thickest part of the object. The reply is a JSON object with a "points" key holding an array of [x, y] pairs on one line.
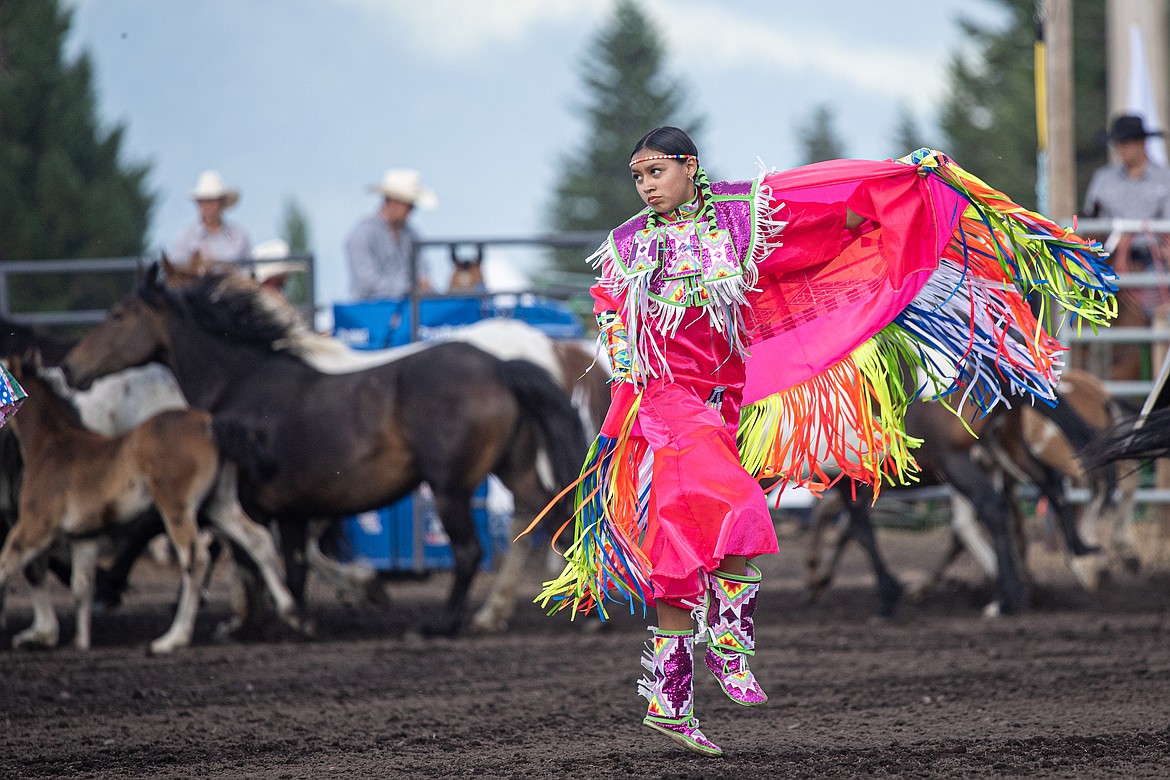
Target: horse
{"points": [[1039, 447], [115, 404], [467, 275], [79, 484], [949, 455], [345, 432]]}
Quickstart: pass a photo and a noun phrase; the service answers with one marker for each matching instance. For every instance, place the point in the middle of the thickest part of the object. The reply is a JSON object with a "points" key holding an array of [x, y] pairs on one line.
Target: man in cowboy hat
{"points": [[381, 247], [1134, 187], [212, 238]]}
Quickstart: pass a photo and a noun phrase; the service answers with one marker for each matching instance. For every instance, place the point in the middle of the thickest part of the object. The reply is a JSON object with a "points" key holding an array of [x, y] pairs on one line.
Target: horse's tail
{"points": [[245, 445], [545, 403], [1129, 442]]}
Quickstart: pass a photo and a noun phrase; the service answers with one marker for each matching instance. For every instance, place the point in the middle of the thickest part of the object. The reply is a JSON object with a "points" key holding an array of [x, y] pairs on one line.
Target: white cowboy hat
{"points": [[406, 185], [210, 186], [272, 249]]}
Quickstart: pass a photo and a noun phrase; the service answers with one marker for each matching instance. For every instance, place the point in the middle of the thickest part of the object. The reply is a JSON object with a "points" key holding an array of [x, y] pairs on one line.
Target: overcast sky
{"points": [[313, 99]]}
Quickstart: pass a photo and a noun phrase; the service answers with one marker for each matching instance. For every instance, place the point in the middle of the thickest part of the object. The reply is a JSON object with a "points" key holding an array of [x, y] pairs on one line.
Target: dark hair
{"points": [[667, 140]]}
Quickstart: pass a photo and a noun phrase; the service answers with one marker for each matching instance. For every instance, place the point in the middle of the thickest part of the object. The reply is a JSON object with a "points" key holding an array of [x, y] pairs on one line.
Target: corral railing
{"points": [[300, 289]]}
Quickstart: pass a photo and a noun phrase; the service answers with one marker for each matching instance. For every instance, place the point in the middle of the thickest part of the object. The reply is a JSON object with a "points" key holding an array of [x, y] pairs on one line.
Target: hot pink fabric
{"points": [[814, 307]]}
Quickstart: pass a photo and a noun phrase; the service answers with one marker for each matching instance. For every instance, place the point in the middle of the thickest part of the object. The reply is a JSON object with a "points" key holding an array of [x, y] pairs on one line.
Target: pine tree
{"points": [[295, 227], [818, 137], [629, 94], [990, 114], [63, 190]]}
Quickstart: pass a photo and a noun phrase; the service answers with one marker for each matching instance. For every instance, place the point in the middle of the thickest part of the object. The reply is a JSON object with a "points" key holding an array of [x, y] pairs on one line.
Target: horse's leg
{"points": [[225, 511], [353, 581], [292, 547], [44, 631], [1118, 516], [85, 555], [190, 548], [1085, 562], [965, 525], [27, 542], [830, 508], [528, 499], [454, 507], [133, 540], [500, 604], [861, 528], [964, 537], [992, 509]]}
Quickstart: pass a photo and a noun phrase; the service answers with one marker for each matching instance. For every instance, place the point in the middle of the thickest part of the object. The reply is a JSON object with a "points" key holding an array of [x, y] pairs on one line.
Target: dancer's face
{"points": [[664, 185]]}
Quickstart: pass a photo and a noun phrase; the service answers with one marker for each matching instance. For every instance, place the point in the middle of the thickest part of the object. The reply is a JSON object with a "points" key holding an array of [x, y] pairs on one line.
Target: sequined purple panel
{"points": [[733, 216], [678, 670]]}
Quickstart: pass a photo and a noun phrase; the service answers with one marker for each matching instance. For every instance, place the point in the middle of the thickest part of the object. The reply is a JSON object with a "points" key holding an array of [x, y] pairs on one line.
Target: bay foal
{"points": [[79, 484]]}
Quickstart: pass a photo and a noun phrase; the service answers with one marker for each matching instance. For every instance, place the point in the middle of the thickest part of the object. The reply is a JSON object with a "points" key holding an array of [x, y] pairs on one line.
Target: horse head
{"points": [[468, 273], [132, 334]]}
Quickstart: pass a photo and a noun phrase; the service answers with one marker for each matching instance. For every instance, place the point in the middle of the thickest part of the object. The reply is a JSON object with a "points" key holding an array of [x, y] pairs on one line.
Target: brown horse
{"points": [[78, 484], [467, 276]]}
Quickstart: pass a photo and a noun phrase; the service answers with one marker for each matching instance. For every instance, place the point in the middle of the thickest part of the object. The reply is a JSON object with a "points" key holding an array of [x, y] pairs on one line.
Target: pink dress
{"points": [[702, 504]]}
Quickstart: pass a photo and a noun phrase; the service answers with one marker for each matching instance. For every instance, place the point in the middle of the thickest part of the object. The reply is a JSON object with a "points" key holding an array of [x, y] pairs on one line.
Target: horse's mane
{"points": [[59, 393], [231, 305], [236, 307], [16, 337]]}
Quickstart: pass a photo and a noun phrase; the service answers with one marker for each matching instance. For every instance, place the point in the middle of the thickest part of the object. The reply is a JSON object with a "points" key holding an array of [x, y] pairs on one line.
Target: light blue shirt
{"points": [[229, 244], [379, 260]]}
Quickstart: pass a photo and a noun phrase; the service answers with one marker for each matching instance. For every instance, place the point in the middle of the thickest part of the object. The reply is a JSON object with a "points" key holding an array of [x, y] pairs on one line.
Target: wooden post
{"points": [[1061, 157], [1150, 16]]}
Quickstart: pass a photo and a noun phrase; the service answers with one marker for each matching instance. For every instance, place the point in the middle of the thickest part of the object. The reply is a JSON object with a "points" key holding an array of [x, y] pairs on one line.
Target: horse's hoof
{"points": [[376, 593], [992, 610], [161, 647], [1088, 569], [30, 639], [1013, 600], [488, 621], [1132, 564]]}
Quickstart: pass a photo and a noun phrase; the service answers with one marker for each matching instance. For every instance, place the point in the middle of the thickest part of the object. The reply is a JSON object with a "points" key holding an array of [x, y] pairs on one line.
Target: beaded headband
{"points": [[663, 157]]}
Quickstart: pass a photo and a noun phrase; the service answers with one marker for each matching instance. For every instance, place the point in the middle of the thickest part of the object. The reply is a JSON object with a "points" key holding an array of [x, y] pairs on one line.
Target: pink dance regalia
{"points": [[775, 344]]}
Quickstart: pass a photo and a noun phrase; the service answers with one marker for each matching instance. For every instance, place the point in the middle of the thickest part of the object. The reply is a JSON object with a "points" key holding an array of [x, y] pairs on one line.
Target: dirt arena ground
{"points": [[1077, 687]]}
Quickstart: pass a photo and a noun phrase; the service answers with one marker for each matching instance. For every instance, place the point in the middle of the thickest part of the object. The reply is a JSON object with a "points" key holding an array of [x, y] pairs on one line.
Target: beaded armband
{"points": [[613, 334]]}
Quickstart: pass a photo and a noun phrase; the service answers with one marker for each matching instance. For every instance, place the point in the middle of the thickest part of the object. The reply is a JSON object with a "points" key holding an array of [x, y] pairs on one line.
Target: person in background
{"points": [[1134, 187], [380, 248], [212, 238]]}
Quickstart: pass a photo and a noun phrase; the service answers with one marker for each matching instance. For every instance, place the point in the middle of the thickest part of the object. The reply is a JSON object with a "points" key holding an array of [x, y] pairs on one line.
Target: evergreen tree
{"points": [[64, 192], [629, 94], [295, 230], [818, 137], [295, 227], [990, 115]]}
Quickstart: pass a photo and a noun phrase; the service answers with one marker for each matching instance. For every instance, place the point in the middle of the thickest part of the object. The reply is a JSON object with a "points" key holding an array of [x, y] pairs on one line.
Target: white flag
{"points": [[1140, 99]]}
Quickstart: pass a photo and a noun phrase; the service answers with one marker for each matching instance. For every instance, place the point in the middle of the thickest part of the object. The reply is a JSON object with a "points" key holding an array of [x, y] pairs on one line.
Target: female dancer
{"points": [[756, 329]]}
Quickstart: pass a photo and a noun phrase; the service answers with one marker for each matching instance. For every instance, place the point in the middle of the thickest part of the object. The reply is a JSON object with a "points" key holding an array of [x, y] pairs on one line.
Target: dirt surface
{"points": [[1077, 687]]}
